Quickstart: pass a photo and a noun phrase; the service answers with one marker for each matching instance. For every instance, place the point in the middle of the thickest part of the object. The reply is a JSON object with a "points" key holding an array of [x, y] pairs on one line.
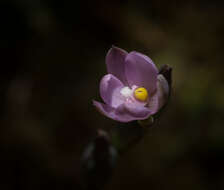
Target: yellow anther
{"points": [[141, 94]]}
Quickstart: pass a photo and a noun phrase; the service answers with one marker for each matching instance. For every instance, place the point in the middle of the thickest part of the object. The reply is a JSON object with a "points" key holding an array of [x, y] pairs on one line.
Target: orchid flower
{"points": [[133, 89]]}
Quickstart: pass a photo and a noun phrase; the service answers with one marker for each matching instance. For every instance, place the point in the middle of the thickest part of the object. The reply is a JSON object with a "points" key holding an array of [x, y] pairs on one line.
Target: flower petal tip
{"points": [[141, 71], [115, 62]]}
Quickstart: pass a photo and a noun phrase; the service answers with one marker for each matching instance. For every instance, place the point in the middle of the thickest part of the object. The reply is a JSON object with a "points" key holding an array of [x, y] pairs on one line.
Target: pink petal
{"points": [[138, 111], [115, 61], [110, 88], [162, 90], [158, 100], [141, 71], [111, 113], [121, 114]]}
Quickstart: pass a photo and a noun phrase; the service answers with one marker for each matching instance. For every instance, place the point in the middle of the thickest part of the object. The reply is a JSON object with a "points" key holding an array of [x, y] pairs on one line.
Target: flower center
{"points": [[126, 92], [141, 94]]}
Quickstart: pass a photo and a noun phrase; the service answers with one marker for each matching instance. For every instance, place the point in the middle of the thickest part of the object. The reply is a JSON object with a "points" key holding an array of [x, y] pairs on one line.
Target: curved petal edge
{"points": [[109, 90], [141, 71], [115, 60]]}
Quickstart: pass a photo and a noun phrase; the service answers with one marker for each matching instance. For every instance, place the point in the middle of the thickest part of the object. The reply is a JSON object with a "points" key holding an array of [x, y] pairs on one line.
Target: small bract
{"points": [[133, 89]]}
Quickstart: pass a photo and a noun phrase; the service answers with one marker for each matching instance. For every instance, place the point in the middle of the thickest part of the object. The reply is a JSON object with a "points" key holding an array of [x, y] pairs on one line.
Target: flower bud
{"points": [[98, 160]]}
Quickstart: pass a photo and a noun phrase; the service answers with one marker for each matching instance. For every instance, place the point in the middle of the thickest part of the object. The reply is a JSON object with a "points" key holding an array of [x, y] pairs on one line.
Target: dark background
{"points": [[52, 58]]}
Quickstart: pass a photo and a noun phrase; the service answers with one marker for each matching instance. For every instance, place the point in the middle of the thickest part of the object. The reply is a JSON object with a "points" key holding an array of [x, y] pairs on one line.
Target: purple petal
{"points": [[159, 99], [153, 104], [138, 111], [115, 60], [162, 90], [104, 109], [110, 88], [141, 71], [110, 112], [121, 114]]}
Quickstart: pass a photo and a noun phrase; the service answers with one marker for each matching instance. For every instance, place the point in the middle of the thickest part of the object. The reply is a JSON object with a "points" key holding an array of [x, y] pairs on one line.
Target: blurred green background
{"points": [[52, 59]]}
